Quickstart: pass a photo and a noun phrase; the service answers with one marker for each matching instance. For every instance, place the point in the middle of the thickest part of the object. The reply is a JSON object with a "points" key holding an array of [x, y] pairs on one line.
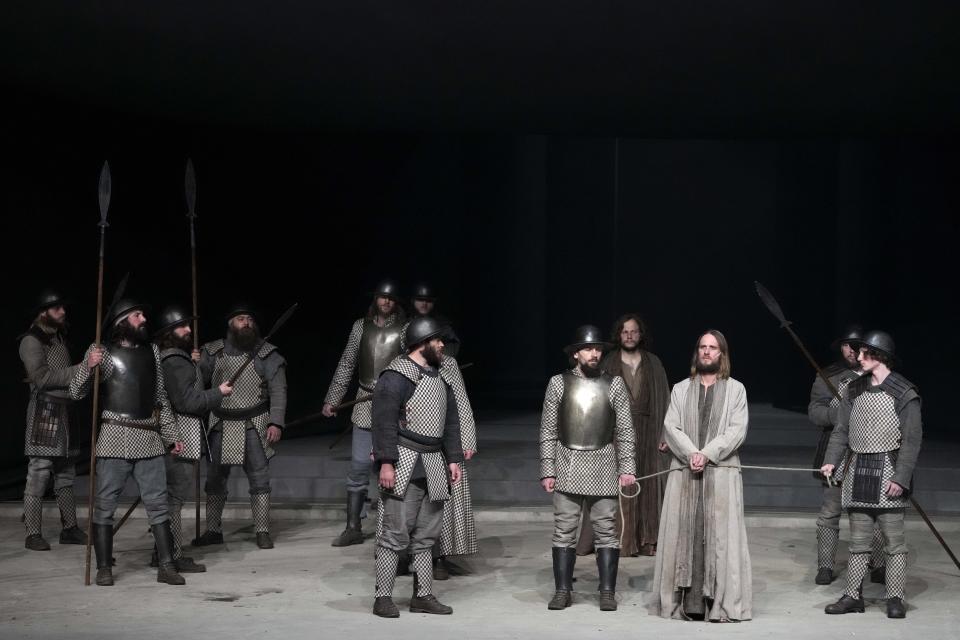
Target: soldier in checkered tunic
{"points": [[137, 429], [878, 433], [587, 452], [373, 343], [47, 443], [823, 409], [416, 448], [191, 404], [245, 423]]}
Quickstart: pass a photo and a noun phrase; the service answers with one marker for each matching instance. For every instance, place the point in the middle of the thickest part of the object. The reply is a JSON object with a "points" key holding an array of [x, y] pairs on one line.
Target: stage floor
{"points": [[304, 588]]}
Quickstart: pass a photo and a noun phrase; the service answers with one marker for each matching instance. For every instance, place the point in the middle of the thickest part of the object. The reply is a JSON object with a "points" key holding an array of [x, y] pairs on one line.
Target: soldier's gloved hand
{"points": [[226, 388], [548, 484], [273, 434], [95, 357], [328, 410], [454, 472], [195, 355]]}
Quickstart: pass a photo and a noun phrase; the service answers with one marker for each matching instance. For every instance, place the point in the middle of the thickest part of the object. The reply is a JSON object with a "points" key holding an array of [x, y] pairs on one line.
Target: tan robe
{"points": [[727, 579]]}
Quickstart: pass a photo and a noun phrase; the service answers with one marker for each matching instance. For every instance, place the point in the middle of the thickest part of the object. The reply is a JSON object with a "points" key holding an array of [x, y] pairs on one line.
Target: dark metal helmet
{"points": [[387, 289], [422, 329], [881, 341], [123, 308], [853, 335], [242, 309], [586, 336], [47, 298], [170, 318], [424, 291]]}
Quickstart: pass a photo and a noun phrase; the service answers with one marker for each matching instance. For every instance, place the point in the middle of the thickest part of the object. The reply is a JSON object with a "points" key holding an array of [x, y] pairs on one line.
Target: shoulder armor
{"points": [[174, 353], [214, 348], [833, 369], [858, 386], [266, 350], [405, 367], [898, 386]]}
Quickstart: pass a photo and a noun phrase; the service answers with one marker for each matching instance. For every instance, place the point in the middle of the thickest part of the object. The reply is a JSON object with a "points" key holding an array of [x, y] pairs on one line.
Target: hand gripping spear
{"points": [[104, 191], [190, 191], [771, 303]]}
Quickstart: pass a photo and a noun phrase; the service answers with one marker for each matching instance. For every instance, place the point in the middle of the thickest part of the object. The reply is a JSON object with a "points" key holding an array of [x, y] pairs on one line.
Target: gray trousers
{"points": [[864, 521], [40, 470], [179, 479], [150, 474], [830, 508], [361, 466], [413, 522], [601, 510], [255, 465]]}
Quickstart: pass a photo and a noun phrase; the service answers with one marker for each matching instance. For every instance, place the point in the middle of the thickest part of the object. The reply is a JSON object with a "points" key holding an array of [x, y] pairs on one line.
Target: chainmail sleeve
{"points": [[82, 383], [169, 429], [548, 427], [346, 366], [624, 433]]}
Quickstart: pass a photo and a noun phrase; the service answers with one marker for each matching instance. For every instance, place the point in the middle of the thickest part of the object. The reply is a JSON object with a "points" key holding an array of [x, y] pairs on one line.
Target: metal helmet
{"points": [[387, 289], [585, 336], [241, 309], [47, 298], [170, 318], [422, 329], [123, 308], [853, 334], [424, 291], [881, 341]]}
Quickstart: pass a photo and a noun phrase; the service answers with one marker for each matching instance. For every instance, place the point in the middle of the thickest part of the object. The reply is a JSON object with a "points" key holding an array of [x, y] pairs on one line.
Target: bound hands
{"points": [[697, 462], [627, 479]]}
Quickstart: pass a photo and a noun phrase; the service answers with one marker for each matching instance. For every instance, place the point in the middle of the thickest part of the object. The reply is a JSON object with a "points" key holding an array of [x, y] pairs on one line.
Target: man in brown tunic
{"points": [[649, 394]]}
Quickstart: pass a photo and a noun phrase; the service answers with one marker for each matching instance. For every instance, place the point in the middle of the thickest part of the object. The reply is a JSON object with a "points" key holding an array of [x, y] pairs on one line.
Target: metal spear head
{"points": [[106, 184], [190, 189], [279, 323], [771, 303]]}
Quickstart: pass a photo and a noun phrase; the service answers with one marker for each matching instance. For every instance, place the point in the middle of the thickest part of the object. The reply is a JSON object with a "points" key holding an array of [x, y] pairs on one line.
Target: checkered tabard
{"points": [[362, 415], [248, 391], [54, 440], [260, 506], [68, 507], [886, 502], [386, 571], [857, 567], [459, 534], [594, 473], [132, 443], [32, 514], [874, 424], [190, 426], [896, 575]]}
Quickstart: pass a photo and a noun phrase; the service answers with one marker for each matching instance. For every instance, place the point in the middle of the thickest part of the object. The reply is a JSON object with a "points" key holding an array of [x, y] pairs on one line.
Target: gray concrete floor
{"points": [[304, 588]]}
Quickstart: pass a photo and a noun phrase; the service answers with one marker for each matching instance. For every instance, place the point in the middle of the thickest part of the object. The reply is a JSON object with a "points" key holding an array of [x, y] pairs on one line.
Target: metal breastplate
{"points": [[426, 410], [586, 419], [874, 424], [131, 390], [248, 390], [378, 347]]}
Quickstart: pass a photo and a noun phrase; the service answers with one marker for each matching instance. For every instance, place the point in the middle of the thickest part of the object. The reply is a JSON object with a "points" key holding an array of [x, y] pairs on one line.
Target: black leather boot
{"points": [[103, 545], [352, 534], [824, 576], [163, 537], [896, 608], [846, 604], [564, 559], [608, 561]]}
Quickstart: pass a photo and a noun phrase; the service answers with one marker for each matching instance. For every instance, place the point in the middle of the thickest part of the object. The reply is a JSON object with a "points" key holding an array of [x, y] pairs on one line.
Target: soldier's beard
{"points": [[432, 356], [245, 338], [125, 332], [49, 325], [184, 343], [590, 370], [708, 367]]}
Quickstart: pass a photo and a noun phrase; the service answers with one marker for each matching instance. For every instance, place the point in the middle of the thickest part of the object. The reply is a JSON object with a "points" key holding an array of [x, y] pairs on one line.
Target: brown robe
{"points": [[648, 405]]}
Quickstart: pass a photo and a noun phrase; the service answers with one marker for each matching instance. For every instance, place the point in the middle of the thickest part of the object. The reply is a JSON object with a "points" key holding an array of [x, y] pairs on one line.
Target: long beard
{"points": [[591, 370], [432, 356], [244, 339], [184, 343], [49, 325], [125, 332], [713, 367]]}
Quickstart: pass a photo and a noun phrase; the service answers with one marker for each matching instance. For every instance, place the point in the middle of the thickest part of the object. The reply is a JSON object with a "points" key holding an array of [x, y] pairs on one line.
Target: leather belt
{"points": [[420, 447], [242, 414], [155, 426]]}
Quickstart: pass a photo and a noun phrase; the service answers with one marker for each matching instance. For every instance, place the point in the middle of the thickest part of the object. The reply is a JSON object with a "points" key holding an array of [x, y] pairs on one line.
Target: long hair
{"points": [[724, 372], [624, 319]]}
